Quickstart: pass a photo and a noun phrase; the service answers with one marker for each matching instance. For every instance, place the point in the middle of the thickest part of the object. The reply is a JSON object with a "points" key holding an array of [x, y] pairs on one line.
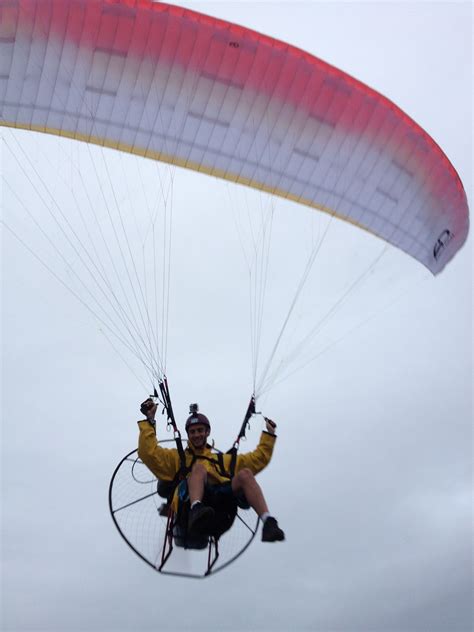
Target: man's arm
{"points": [[261, 456], [163, 462]]}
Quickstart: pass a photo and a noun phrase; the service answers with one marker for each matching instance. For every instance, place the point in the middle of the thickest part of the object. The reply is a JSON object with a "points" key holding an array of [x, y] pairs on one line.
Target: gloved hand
{"points": [[271, 425], [148, 408]]}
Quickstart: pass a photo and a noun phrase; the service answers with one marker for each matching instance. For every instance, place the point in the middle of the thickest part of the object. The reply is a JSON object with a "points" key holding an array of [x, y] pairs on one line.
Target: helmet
{"points": [[196, 418]]}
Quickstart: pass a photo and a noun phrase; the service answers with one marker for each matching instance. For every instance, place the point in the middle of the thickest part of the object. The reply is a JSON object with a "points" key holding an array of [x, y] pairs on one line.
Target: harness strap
{"points": [[217, 462], [234, 449], [165, 394], [220, 459]]}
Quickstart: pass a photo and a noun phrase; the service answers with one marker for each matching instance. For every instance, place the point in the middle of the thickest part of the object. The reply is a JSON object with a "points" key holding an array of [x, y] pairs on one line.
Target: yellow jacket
{"points": [[165, 462]]}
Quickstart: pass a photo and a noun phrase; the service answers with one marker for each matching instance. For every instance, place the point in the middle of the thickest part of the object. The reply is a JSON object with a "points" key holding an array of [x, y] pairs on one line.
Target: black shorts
{"points": [[222, 499], [222, 494]]}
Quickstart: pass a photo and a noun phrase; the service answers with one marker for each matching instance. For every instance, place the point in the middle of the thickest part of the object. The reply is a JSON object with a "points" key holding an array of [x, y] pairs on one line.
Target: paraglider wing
{"points": [[174, 85]]}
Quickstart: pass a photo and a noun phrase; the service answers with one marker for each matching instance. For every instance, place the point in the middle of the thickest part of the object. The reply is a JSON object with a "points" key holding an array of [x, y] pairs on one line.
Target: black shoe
{"points": [[164, 509], [271, 532], [200, 519]]}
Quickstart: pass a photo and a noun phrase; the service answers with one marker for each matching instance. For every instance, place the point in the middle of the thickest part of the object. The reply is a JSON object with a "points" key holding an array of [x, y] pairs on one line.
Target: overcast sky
{"points": [[372, 473]]}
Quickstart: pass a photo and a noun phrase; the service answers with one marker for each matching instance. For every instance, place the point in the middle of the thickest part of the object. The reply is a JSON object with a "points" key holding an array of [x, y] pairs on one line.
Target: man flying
{"points": [[209, 487]]}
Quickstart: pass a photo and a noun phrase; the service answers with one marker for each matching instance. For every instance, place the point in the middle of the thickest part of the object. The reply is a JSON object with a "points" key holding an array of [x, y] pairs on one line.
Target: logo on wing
{"points": [[441, 243]]}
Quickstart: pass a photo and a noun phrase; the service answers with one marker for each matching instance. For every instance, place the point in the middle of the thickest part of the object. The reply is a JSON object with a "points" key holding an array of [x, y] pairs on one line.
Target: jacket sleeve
{"points": [[258, 458], [163, 462]]}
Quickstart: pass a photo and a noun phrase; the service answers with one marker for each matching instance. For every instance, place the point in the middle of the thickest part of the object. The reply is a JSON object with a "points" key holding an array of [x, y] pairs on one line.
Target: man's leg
{"points": [[196, 482], [244, 482], [200, 516]]}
